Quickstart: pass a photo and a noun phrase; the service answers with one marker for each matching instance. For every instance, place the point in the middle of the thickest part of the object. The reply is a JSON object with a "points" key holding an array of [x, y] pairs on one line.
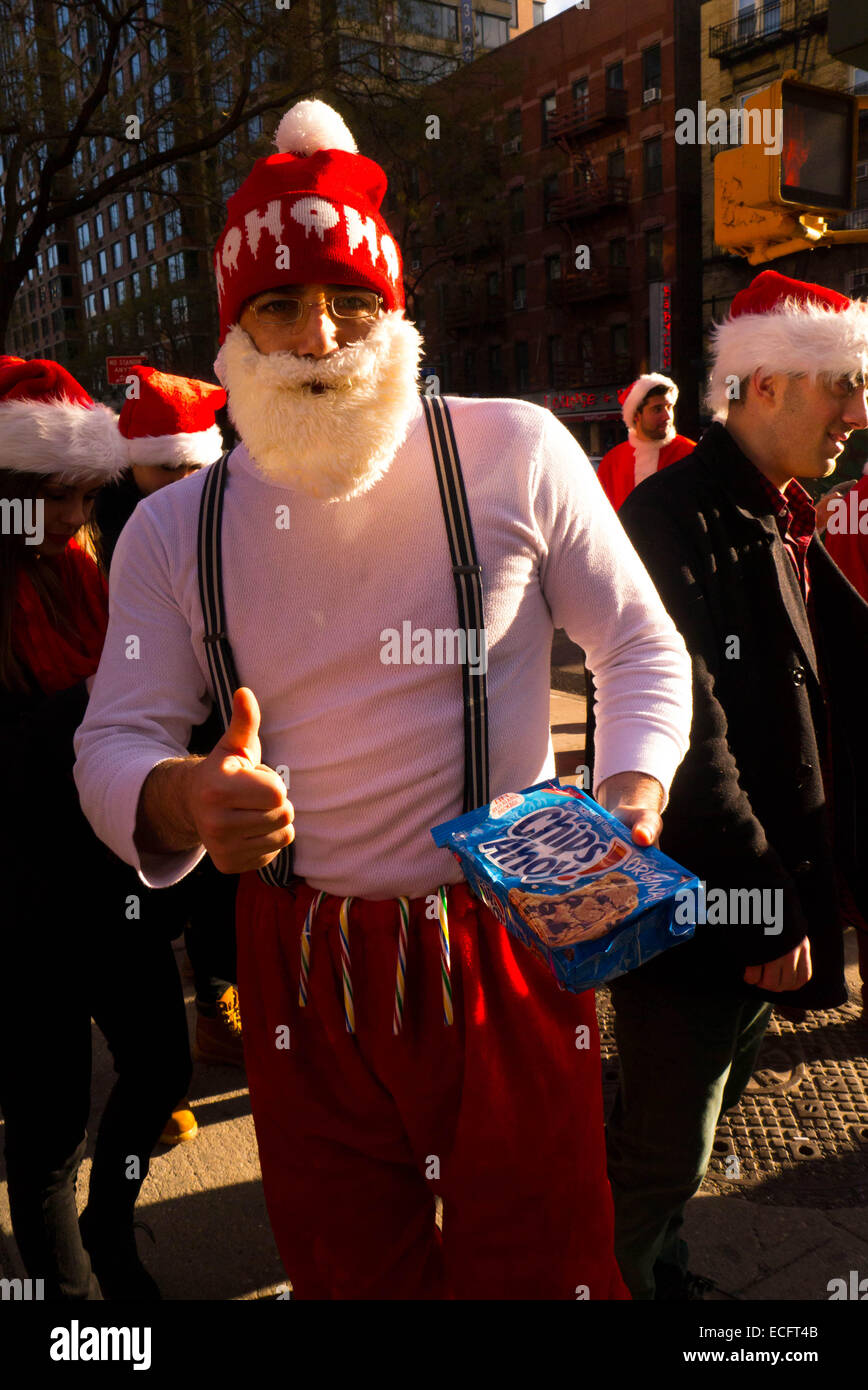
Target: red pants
{"points": [[500, 1114]]}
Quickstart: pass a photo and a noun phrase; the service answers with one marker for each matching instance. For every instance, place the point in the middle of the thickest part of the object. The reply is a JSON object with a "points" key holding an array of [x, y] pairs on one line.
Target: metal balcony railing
{"points": [[595, 284], [603, 371], [586, 202], [766, 25], [579, 118]]}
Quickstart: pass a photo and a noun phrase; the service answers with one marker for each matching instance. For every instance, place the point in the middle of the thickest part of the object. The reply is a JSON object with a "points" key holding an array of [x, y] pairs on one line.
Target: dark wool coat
{"points": [[747, 806]]}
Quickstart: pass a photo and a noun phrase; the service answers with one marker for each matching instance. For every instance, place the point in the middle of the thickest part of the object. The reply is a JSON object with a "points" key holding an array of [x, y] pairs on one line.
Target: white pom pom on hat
{"points": [[310, 126], [635, 394]]}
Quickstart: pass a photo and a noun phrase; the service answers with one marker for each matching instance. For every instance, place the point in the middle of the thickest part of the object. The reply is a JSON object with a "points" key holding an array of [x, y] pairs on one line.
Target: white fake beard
{"points": [[336, 444]]}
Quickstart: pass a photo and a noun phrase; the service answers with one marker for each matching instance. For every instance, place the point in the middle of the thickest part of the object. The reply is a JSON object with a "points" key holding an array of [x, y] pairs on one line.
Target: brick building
{"points": [[134, 273], [582, 134]]}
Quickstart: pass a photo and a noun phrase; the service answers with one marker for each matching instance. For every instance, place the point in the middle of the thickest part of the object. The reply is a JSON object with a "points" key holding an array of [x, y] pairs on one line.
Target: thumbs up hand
{"points": [[238, 805]]}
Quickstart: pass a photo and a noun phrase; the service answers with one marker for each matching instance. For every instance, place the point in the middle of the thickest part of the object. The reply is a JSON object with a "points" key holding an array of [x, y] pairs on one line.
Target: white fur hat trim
{"points": [[639, 390], [795, 338], [310, 126], [63, 437], [203, 447]]}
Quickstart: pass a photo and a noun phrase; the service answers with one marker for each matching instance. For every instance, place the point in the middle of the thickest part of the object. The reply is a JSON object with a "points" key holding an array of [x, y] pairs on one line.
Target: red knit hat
{"points": [[172, 419], [307, 215], [49, 424], [781, 325]]}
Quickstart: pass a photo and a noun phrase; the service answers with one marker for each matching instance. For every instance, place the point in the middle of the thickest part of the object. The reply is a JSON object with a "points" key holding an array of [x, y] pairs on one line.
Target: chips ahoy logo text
{"points": [[553, 843]]}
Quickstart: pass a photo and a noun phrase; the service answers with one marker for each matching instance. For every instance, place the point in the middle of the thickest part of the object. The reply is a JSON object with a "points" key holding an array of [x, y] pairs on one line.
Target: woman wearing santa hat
{"points": [[83, 939]]}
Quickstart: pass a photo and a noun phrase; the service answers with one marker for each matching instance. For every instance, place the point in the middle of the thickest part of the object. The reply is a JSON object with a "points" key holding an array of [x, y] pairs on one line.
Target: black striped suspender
{"points": [[467, 573]]}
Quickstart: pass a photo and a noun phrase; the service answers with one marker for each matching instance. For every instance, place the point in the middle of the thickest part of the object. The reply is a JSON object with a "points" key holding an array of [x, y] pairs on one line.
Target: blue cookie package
{"points": [[565, 877]]}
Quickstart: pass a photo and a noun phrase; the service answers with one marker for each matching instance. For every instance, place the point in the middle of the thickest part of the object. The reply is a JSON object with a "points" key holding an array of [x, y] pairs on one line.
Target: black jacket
{"points": [[747, 807]]}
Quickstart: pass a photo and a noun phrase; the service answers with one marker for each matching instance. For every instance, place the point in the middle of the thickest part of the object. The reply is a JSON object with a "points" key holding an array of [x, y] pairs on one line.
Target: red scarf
{"points": [[55, 661]]}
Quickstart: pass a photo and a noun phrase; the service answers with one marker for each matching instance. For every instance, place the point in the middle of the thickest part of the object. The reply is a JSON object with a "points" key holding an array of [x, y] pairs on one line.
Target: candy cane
{"points": [[401, 971], [304, 973], [349, 1012], [445, 966]]}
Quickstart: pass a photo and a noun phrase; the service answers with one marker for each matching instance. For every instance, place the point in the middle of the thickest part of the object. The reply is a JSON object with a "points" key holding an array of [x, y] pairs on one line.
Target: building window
{"points": [[549, 106], [70, 89], [179, 309], [516, 209], [119, 82], [129, 206], [491, 31], [618, 251], [146, 200], [539, 12], [580, 93], [132, 246], [519, 287], [654, 254], [555, 354], [166, 136], [99, 226], [169, 179], [651, 71], [114, 213], [121, 291], [62, 14], [513, 123], [553, 269], [150, 236], [158, 48], [550, 190], [522, 366], [90, 305], [83, 235], [615, 164], [105, 295], [117, 254], [172, 224], [618, 340], [175, 265], [152, 277], [135, 67], [652, 166], [254, 128], [136, 284], [492, 284], [615, 77], [87, 272], [161, 93], [221, 93], [437, 21], [220, 45], [102, 263]]}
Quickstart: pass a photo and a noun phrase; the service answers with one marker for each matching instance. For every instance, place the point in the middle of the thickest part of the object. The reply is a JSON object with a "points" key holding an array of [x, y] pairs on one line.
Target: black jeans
{"points": [[58, 972], [205, 901]]}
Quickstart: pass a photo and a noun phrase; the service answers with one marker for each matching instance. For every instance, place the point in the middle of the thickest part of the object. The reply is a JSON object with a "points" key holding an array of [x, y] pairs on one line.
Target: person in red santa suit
{"points": [[399, 1045], [648, 412]]}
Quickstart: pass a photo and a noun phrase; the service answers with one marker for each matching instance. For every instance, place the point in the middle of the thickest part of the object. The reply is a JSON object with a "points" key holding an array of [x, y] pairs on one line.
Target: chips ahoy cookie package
{"points": [[565, 877]]}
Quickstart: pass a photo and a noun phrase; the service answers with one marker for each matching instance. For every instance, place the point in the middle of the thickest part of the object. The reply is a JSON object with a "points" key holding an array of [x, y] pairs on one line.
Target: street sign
{"points": [[118, 368]]}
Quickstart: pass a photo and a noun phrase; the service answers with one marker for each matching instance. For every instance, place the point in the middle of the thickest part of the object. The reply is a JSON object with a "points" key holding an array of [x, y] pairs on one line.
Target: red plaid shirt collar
{"points": [[794, 511]]}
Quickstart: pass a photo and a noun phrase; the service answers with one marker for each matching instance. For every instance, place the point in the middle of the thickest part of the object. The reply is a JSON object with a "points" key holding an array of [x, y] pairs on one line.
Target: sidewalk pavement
{"points": [[203, 1200]]}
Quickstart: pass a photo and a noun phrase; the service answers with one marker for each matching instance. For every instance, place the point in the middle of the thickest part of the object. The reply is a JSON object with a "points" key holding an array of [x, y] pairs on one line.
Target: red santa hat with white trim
{"points": [[791, 326], [170, 419], [632, 398], [50, 425], [309, 214]]}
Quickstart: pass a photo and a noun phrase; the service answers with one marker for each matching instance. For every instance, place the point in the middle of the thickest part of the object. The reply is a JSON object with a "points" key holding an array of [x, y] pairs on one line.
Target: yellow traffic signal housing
{"points": [[795, 167]]}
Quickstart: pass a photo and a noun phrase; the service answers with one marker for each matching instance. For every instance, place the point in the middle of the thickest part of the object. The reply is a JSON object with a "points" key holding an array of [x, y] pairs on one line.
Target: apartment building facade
{"points": [[133, 275], [597, 276]]}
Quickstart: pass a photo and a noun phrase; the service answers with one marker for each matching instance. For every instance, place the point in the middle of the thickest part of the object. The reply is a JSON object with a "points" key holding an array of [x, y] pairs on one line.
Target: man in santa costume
{"points": [[648, 412], [770, 806], [399, 1045]]}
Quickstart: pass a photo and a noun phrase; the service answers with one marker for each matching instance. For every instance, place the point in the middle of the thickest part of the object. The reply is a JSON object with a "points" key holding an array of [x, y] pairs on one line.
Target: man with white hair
{"points": [[398, 1047], [770, 806]]}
